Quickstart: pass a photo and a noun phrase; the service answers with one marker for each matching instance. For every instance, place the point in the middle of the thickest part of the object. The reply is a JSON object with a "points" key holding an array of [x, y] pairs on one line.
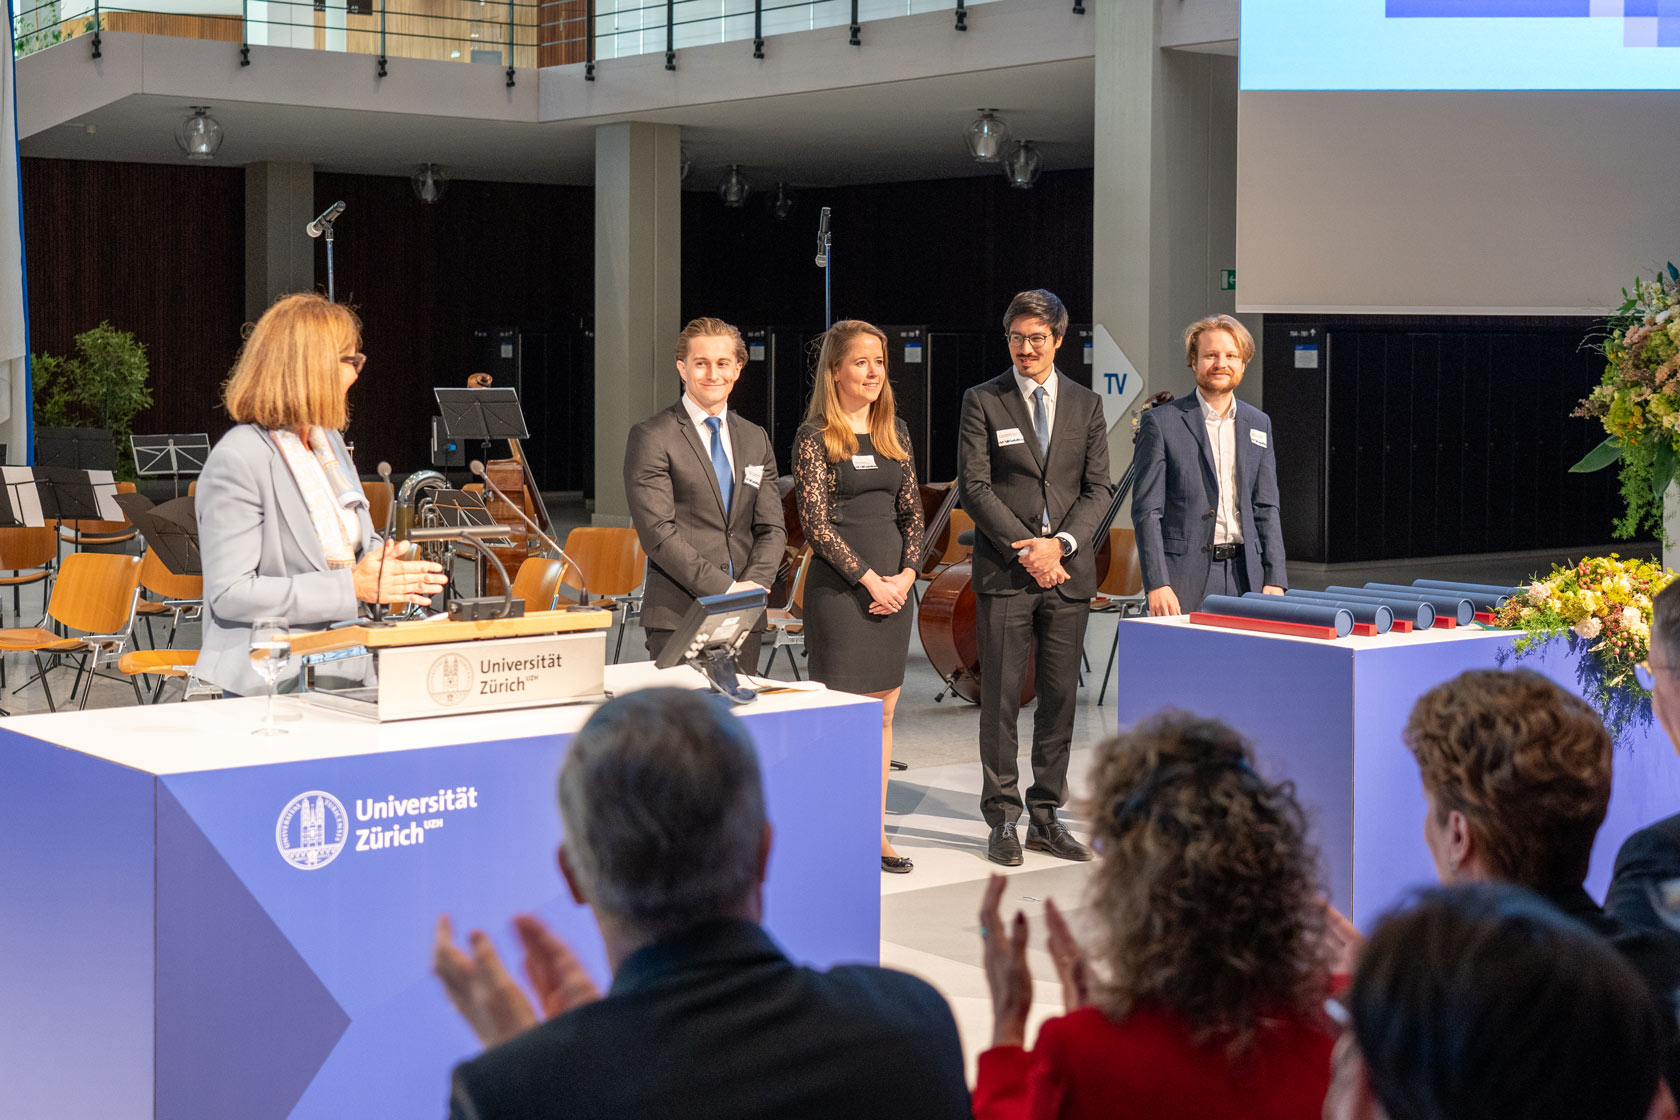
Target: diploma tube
{"points": [[1419, 613], [1446, 604], [1497, 595], [1363, 610], [1277, 608]]}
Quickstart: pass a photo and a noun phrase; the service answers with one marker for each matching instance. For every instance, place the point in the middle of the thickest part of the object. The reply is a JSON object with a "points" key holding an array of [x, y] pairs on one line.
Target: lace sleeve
{"points": [[814, 484], [910, 524]]}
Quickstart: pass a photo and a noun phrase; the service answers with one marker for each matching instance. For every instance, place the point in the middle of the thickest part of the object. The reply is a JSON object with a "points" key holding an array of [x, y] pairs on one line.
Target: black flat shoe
{"points": [[896, 865], [1003, 846]]}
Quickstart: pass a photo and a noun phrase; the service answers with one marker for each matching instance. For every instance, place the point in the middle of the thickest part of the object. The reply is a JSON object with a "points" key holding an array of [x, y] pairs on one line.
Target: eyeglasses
{"points": [[355, 361], [1038, 340]]}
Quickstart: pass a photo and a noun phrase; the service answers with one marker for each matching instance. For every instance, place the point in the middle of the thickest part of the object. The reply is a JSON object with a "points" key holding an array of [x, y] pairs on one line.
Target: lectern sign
{"points": [[492, 675]]}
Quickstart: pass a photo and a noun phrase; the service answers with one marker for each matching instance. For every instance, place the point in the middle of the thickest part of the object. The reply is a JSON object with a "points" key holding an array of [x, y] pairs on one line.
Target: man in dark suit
{"points": [[701, 484], [1650, 858], [1032, 468], [1205, 509], [665, 840]]}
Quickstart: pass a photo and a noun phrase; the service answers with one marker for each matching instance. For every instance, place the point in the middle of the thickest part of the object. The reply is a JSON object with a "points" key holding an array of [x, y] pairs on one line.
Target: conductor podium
{"points": [[444, 667]]}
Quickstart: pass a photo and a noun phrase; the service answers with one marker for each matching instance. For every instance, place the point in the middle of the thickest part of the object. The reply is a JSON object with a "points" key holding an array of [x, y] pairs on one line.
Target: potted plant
{"points": [[102, 386]]}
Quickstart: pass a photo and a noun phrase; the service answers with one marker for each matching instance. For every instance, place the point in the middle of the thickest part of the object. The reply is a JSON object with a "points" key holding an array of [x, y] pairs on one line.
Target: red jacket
{"points": [[1086, 1067]]}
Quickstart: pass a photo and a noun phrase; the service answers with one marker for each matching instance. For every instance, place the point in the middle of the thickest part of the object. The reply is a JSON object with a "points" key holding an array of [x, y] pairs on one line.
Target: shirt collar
{"points": [[1026, 385], [698, 414], [1207, 409]]}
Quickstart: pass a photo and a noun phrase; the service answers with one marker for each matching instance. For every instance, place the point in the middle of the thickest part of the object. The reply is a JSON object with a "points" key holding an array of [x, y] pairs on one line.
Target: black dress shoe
{"points": [[1057, 840], [896, 865], [1003, 847]]}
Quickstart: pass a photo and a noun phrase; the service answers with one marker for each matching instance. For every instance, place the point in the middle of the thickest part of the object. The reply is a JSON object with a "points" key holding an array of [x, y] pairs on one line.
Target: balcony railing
{"points": [[508, 34]]}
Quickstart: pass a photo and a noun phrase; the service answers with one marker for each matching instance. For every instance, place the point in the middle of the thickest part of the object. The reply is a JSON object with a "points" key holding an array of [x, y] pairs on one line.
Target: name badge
{"points": [[1257, 436], [1009, 437], [753, 475], [863, 462]]}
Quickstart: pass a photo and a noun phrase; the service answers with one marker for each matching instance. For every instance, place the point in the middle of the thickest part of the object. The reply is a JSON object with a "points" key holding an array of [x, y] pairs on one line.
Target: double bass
{"points": [[948, 618]]}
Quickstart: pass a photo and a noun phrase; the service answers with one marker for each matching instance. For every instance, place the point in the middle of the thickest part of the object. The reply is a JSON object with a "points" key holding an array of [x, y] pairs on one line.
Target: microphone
{"points": [[822, 239], [384, 471], [325, 221], [477, 467]]}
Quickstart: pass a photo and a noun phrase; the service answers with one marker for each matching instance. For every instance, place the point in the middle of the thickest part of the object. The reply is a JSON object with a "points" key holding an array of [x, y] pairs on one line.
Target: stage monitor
{"points": [[710, 636]]}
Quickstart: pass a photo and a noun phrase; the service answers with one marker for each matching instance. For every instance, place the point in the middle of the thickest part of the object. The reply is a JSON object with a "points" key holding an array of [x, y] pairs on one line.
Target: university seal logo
{"points": [[450, 679], [312, 830]]}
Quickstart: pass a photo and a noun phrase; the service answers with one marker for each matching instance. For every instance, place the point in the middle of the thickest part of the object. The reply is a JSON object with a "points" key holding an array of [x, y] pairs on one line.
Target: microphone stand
{"points": [[470, 534], [477, 467], [379, 618]]}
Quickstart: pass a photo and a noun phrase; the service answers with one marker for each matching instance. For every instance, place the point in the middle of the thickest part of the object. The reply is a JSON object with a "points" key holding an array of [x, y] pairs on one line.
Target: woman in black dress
{"points": [[862, 514]]}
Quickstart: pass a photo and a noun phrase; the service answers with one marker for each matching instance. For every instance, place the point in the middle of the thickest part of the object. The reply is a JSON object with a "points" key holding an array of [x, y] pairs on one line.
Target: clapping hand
{"points": [[381, 577], [489, 998], [1071, 966], [1007, 973], [1342, 941]]}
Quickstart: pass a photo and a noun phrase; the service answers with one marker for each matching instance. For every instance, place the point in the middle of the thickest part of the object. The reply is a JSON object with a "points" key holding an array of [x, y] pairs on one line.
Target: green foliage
{"points": [[102, 386]]}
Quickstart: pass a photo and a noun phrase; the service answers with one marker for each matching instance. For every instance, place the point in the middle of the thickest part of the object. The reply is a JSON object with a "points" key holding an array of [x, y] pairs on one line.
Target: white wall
{"points": [[1454, 202]]}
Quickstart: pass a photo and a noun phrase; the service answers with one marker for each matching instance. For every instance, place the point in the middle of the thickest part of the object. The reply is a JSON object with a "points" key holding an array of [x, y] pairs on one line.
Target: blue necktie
{"points": [[720, 461], [1041, 425]]}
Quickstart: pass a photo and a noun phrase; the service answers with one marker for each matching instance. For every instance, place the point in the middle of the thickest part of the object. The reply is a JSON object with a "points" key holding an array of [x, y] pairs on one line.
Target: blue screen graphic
{"points": [[1460, 44]]}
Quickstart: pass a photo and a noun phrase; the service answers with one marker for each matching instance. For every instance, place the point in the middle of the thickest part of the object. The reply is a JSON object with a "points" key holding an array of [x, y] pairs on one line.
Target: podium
{"points": [[439, 667]]}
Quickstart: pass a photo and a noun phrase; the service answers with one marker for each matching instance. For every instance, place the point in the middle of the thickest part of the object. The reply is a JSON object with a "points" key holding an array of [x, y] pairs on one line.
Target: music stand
{"points": [[68, 494], [173, 455], [711, 634], [21, 499], [481, 414], [169, 528], [87, 449]]}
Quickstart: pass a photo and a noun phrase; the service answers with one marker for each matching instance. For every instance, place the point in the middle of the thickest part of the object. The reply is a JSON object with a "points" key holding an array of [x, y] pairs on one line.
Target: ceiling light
{"points": [[200, 134], [987, 137], [429, 183], [1022, 165], [782, 206], [734, 189]]}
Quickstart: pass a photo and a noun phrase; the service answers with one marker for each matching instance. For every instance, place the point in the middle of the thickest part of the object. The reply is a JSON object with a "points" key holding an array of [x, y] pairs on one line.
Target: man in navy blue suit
{"points": [[1206, 505]]}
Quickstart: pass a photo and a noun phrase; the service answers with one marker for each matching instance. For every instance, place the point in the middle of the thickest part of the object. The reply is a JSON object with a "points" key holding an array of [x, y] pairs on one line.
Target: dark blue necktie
{"points": [[720, 461]]}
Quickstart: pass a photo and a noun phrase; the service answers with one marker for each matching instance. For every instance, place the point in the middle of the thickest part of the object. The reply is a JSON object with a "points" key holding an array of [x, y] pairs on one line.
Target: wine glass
{"points": [[271, 652]]}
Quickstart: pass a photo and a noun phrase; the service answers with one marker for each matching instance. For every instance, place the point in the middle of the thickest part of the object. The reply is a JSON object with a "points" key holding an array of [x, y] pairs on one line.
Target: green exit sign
{"points": [[1227, 279]]}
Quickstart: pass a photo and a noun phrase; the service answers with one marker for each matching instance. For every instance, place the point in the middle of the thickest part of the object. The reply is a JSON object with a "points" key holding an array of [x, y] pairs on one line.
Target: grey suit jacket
{"points": [[1178, 490], [677, 509], [1006, 487], [261, 556]]}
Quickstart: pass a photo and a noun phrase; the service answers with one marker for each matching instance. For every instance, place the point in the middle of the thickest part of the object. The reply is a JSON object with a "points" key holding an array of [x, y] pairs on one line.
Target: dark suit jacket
{"points": [[1005, 489], [1649, 856], [1178, 490], [717, 1023], [678, 512]]}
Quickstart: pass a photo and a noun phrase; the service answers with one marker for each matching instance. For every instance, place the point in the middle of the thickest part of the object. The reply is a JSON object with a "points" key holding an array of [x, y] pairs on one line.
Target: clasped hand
{"points": [[888, 593], [1007, 973], [1042, 558], [380, 577], [489, 999]]}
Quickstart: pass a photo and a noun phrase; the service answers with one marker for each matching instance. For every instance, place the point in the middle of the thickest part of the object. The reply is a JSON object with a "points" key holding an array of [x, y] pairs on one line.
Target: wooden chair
{"points": [[787, 624], [609, 564], [85, 534], [165, 664], [192, 488], [946, 549], [95, 593], [1123, 587], [379, 496], [28, 554], [177, 596], [538, 582]]}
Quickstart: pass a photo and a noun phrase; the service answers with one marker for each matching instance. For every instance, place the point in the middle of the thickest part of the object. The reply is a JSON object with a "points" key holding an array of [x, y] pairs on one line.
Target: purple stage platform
{"points": [[1329, 714]]}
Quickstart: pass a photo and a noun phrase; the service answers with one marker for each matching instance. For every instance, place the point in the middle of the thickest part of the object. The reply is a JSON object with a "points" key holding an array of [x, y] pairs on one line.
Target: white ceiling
{"points": [[885, 132]]}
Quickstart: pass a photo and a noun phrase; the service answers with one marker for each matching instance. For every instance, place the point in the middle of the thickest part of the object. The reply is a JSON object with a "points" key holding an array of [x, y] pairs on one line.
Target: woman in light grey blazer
{"points": [[282, 521]]}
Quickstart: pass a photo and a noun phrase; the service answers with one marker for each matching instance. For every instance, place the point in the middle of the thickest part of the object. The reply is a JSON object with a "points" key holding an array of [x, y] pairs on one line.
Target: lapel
{"points": [[1010, 390], [1059, 429], [1247, 450], [1192, 413], [701, 452], [738, 441], [294, 510]]}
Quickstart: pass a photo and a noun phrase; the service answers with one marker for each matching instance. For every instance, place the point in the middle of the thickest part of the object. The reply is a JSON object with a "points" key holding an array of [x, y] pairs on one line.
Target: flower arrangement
{"points": [[1638, 400], [1602, 606]]}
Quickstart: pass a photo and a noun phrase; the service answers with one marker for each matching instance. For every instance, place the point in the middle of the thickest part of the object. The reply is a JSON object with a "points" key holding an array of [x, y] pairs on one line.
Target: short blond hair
{"points": [[1194, 332], [706, 327], [287, 373]]}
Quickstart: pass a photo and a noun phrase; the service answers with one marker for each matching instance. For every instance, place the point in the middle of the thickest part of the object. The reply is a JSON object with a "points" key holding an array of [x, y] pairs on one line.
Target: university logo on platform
{"points": [[312, 830], [450, 679]]}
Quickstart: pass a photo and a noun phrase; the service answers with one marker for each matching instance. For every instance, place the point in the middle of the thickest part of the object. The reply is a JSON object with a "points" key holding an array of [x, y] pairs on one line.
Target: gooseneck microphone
{"points": [[477, 468], [384, 471], [324, 222], [822, 239]]}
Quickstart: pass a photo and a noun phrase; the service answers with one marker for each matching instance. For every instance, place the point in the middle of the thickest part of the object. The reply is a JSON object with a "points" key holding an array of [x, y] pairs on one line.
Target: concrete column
{"points": [[279, 256], [638, 288]]}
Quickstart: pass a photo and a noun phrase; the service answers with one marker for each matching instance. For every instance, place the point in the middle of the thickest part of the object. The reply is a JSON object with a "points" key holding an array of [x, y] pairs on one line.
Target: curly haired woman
{"points": [[1204, 996]]}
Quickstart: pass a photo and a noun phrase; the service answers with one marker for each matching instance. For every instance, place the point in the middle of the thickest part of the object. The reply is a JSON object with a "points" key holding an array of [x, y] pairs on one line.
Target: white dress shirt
{"points": [[697, 415], [1028, 387], [1222, 438]]}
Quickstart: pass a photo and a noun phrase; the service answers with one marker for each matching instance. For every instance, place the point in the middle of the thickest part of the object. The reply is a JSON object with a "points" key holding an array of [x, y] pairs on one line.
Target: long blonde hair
{"points": [[287, 373], [838, 439]]}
